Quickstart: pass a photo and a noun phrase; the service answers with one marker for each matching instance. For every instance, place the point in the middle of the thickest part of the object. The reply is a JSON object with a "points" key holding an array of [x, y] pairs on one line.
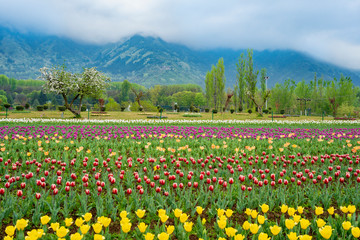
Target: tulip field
{"points": [[179, 180]]}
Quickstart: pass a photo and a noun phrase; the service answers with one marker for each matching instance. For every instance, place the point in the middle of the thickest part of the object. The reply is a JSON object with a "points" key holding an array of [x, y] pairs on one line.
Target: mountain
{"points": [[150, 61]]}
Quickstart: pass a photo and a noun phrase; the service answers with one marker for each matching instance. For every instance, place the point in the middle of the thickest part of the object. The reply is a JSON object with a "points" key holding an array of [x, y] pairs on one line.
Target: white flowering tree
{"points": [[90, 83]]}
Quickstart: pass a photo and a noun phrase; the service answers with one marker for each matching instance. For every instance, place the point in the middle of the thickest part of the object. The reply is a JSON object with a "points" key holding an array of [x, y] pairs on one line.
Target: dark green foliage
{"points": [[7, 105], [40, 108], [19, 108], [249, 111], [27, 106], [61, 108]]}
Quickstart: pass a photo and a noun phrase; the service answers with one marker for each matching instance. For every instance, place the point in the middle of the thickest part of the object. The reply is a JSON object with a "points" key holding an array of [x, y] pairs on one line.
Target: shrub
{"points": [[27, 106], [240, 109], [249, 111], [207, 110], [62, 108], [19, 108], [196, 110], [214, 111], [40, 108], [7, 105], [282, 111], [83, 108], [232, 111], [122, 109], [46, 107], [265, 111]]}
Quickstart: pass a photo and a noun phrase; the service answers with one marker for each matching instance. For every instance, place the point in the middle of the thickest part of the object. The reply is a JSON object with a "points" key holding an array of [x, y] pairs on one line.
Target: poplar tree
{"points": [[215, 85]]}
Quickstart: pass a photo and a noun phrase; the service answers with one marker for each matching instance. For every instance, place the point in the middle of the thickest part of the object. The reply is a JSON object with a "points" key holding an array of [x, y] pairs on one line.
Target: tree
{"points": [[250, 77], [73, 86], [215, 85], [241, 83], [125, 89]]}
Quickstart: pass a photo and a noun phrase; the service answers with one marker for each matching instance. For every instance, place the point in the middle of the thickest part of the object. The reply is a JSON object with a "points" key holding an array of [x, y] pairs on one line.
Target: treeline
{"points": [[337, 97]]}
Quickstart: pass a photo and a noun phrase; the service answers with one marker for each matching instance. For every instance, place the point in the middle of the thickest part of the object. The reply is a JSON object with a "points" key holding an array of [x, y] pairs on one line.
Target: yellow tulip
{"points": [[177, 213], [161, 212], [326, 231], [331, 210], [229, 213], [76, 236], [79, 222], [239, 237], [351, 208], [183, 217], [68, 222], [320, 223], [275, 230], [292, 236], [10, 230], [126, 227], [300, 209], [263, 236], [346, 225], [142, 227], [254, 214], [84, 229], [220, 212], [248, 211], [54, 226], [199, 210], [221, 224], [99, 237], [291, 211], [188, 226], [45, 219], [246, 225], [203, 221], [355, 231], [32, 235], [289, 223], [319, 210], [305, 237], [8, 238], [140, 213], [97, 227], [21, 224], [230, 232], [164, 218], [163, 236], [170, 229], [304, 223], [344, 209], [264, 208], [123, 214], [254, 228], [284, 208], [62, 232], [296, 218], [105, 221], [87, 217], [149, 236], [221, 238], [261, 219]]}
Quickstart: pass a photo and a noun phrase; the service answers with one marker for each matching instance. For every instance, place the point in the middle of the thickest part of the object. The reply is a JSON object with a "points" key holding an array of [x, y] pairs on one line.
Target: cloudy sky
{"points": [[326, 29]]}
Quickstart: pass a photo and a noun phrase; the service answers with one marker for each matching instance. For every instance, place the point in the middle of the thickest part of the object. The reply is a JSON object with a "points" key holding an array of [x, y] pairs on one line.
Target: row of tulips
{"points": [[291, 224]]}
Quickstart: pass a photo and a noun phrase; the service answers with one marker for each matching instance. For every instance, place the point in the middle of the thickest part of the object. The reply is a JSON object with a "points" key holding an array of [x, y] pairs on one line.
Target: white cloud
{"points": [[327, 29]]}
